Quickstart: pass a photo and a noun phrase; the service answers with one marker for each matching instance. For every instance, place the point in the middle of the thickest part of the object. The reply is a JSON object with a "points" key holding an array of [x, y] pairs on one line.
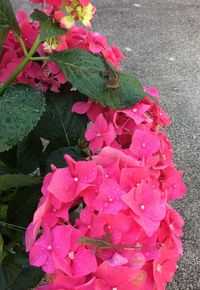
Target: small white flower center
{"points": [[142, 207], [159, 268], [143, 145], [109, 227], [171, 227], [175, 185], [134, 110], [75, 179], [49, 248], [71, 255], [89, 227], [110, 199], [114, 288], [106, 175], [160, 114]]}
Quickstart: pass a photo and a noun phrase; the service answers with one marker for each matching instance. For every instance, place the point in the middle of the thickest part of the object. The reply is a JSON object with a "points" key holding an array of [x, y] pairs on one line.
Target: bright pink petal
{"points": [[80, 108], [84, 262], [61, 240]]}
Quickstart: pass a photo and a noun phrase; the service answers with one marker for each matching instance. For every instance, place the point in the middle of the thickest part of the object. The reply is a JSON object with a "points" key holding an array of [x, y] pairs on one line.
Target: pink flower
{"points": [[110, 277], [90, 224], [113, 55], [116, 225], [97, 42], [137, 113], [170, 231], [90, 108], [109, 198], [144, 143], [78, 260], [153, 92], [99, 134], [67, 183], [84, 2], [164, 267], [147, 205], [172, 183]]}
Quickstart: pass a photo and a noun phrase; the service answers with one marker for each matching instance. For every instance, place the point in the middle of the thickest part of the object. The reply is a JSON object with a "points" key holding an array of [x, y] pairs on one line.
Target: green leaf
{"points": [[3, 34], [7, 16], [22, 206], [17, 180], [48, 28], [58, 121], [9, 157], [90, 74], [29, 152], [1, 247], [6, 170], [3, 278], [28, 278], [20, 109], [57, 158], [17, 274], [3, 212]]}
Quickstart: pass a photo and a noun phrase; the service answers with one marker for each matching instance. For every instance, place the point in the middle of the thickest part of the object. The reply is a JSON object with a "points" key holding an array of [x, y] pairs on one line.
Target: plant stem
{"points": [[22, 44], [39, 58], [4, 224], [21, 65]]}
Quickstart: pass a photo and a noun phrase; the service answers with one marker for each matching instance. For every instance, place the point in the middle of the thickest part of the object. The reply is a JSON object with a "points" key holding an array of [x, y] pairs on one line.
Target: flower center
{"points": [[49, 248], [142, 207], [75, 179], [71, 255], [159, 268]]}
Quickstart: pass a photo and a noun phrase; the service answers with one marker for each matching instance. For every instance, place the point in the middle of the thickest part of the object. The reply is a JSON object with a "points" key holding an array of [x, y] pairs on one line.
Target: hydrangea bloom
{"points": [[44, 75], [127, 236], [81, 10]]}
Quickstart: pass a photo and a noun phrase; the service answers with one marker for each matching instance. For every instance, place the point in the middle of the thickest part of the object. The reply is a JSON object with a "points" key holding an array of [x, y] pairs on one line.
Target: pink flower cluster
{"points": [[45, 75], [126, 236], [75, 10]]}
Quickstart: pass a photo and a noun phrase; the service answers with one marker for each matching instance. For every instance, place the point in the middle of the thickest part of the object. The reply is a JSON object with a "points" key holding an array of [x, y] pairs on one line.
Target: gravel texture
{"points": [[161, 41]]}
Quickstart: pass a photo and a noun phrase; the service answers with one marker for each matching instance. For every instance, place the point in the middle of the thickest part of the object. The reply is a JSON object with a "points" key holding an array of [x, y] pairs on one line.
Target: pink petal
{"points": [[61, 240], [38, 256], [96, 144], [101, 123], [61, 185], [84, 262], [80, 107], [110, 135], [87, 171], [91, 133]]}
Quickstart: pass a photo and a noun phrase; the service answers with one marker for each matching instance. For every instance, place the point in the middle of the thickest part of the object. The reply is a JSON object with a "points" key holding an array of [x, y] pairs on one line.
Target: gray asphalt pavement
{"points": [[161, 39]]}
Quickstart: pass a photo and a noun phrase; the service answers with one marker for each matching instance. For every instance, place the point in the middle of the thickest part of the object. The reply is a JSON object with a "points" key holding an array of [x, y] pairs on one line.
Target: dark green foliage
{"points": [[20, 109], [58, 121], [7, 16], [48, 28], [90, 74]]}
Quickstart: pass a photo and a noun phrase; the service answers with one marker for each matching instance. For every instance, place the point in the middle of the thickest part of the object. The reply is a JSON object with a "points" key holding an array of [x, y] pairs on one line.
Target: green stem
{"points": [[39, 58], [4, 224], [22, 44], [21, 65]]}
